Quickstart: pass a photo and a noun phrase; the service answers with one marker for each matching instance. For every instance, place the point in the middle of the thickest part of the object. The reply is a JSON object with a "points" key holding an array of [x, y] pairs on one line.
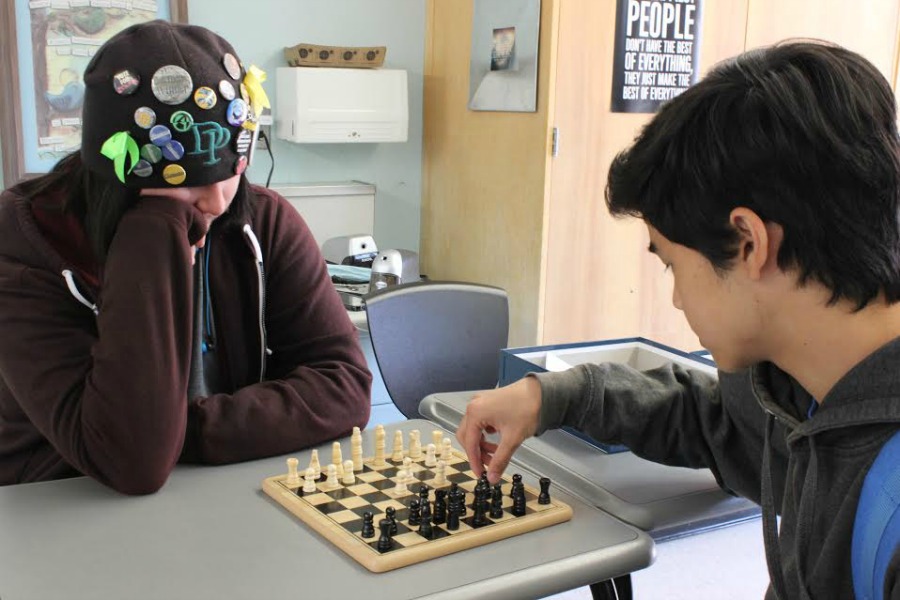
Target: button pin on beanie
{"points": [[117, 148]]}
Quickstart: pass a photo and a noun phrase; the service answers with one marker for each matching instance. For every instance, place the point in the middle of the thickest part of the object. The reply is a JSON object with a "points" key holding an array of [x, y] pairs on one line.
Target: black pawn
{"points": [[391, 514], [453, 515], [440, 507], [544, 496], [414, 514], [385, 542], [518, 509], [478, 505], [496, 502], [423, 494], [425, 528], [368, 528]]}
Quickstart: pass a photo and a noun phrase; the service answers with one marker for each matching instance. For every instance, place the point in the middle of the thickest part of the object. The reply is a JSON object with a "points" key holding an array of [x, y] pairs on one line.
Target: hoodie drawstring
{"points": [[76, 293], [770, 522], [261, 278]]}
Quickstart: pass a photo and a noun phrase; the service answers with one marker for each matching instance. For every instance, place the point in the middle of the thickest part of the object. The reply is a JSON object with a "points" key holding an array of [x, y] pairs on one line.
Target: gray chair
{"points": [[432, 337]]}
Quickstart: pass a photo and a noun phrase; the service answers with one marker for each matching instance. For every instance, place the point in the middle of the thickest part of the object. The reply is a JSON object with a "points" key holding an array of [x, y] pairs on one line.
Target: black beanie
{"points": [[169, 105]]}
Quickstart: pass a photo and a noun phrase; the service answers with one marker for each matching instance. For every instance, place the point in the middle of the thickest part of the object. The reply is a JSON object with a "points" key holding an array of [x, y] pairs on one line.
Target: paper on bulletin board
{"points": [[56, 40]]}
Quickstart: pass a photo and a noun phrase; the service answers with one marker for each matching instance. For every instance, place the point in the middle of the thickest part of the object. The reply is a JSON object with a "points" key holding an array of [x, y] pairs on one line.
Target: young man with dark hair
{"points": [[771, 189]]}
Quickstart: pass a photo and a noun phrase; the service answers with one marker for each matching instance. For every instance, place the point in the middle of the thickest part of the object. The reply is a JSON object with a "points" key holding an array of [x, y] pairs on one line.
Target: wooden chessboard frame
{"points": [[358, 548]]}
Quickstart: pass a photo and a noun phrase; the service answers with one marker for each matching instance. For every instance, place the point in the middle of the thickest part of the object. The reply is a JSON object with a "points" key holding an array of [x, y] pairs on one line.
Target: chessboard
{"points": [[410, 505]]}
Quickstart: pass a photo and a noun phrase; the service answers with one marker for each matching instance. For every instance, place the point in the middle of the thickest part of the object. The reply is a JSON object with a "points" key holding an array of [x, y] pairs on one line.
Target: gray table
{"points": [[212, 533], [666, 502]]}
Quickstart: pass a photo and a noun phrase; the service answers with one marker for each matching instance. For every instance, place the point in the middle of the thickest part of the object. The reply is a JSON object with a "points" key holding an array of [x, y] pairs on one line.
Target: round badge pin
{"points": [[245, 94], [237, 112], [232, 66], [172, 85], [181, 120], [145, 117], [205, 97], [173, 150], [126, 82], [226, 89], [174, 174], [151, 153], [240, 165], [142, 168], [160, 135], [242, 141]]}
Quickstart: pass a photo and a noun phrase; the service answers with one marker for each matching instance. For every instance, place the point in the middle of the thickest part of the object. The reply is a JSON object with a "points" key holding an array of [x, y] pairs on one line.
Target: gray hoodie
{"points": [[753, 431]]}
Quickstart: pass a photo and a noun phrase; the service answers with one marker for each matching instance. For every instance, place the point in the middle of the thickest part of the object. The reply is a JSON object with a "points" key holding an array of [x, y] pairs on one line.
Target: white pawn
{"points": [[293, 477], [397, 455], [415, 445], [349, 477], [440, 473], [430, 458], [332, 480], [400, 488], [337, 459], [356, 449], [314, 462], [309, 485], [447, 450]]}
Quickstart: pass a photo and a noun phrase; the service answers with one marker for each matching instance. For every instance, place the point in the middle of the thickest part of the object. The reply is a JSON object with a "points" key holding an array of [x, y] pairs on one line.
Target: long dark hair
{"points": [[99, 204]]}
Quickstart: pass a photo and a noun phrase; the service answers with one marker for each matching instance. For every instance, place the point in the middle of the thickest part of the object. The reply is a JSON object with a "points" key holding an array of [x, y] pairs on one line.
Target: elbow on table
{"points": [[140, 477]]}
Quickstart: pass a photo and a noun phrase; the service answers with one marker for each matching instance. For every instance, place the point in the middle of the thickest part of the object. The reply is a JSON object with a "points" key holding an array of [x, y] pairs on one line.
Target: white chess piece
{"points": [[415, 445], [408, 467], [447, 450], [379, 446], [356, 449], [309, 485], [314, 462], [349, 477], [397, 455], [430, 458], [401, 488], [332, 480], [437, 437], [337, 459], [293, 477], [440, 473]]}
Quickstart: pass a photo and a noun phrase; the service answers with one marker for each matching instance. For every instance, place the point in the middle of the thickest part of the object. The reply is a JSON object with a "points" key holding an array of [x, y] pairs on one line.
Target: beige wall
{"points": [[498, 209]]}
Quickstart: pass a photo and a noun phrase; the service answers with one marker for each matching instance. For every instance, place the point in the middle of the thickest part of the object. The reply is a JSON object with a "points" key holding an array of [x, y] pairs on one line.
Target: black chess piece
{"points": [[518, 508], [440, 507], [414, 514], [391, 514], [544, 496], [425, 528], [423, 494], [368, 528], [385, 542], [479, 519], [496, 502], [516, 481], [453, 513]]}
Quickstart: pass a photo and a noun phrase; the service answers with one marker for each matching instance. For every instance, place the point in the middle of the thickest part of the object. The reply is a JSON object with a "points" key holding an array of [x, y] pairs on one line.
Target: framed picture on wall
{"points": [[46, 46], [503, 66]]}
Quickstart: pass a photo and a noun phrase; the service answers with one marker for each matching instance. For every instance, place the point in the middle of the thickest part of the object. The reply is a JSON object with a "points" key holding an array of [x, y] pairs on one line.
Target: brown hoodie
{"points": [[105, 394]]}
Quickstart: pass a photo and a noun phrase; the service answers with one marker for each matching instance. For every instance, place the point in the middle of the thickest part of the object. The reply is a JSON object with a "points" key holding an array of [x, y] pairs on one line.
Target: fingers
{"points": [[500, 460], [470, 438]]}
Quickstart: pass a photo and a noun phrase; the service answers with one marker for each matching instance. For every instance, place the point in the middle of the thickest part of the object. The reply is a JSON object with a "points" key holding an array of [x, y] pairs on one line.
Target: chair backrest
{"points": [[432, 336]]}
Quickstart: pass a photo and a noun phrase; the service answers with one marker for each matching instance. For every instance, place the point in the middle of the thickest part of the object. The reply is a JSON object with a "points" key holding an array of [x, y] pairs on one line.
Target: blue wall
{"points": [[259, 31]]}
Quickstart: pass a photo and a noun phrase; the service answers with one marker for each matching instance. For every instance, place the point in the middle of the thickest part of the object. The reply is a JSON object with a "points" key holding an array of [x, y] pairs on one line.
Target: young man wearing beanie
{"points": [[771, 190], [155, 306]]}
